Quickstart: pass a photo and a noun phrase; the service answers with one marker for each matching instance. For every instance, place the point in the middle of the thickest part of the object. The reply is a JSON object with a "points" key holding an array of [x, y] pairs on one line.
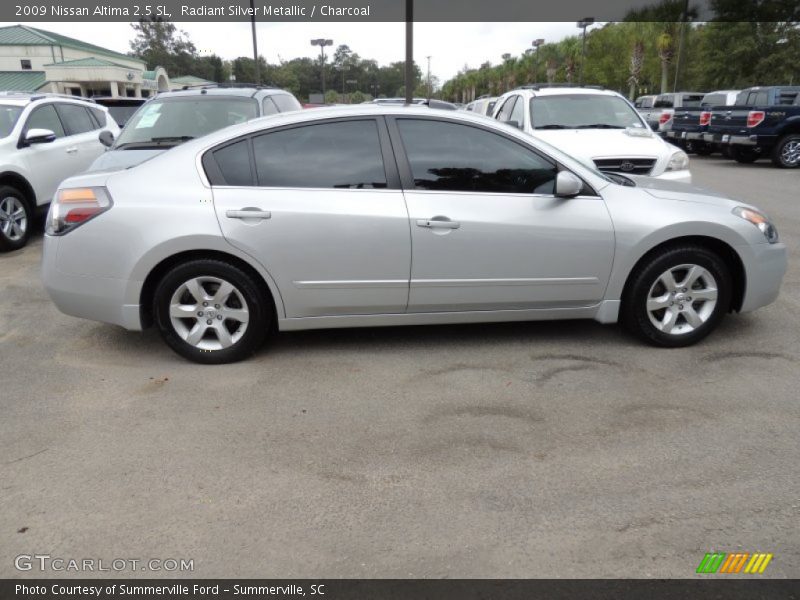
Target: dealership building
{"points": [[34, 60]]}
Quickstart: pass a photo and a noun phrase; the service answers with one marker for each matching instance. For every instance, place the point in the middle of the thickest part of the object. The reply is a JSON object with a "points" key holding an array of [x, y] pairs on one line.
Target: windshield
{"points": [[583, 111], [121, 114], [175, 120], [8, 118]]}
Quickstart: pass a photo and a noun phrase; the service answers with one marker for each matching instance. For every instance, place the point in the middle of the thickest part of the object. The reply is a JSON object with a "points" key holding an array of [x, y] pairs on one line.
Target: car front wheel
{"points": [[677, 297], [211, 312], [15, 219]]}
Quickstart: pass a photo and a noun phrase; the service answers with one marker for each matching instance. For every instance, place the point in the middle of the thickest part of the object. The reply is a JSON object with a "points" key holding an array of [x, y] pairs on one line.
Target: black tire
{"points": [[743, 154], [10, 239], [248, 295], [786, 153], [634, 314], [725, 151]]}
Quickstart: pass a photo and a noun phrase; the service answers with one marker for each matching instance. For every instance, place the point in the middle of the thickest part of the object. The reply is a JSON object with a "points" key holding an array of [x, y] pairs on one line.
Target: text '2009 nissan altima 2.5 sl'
{"points": [[392, 215]]}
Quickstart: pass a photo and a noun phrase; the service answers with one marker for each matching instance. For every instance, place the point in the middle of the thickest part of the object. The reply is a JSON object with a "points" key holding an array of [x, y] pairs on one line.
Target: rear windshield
{"points": [[714, 99], [582, 111], [691, 100], [663, 102], [9, 115], [186, 118]]}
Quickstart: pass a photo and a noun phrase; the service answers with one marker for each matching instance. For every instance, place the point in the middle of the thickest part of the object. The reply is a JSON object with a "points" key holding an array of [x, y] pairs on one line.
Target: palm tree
{"points": [[665, 44], [635, 69]]}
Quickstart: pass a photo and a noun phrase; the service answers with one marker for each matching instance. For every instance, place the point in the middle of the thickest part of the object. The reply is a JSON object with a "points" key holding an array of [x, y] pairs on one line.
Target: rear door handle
{"points": [[437, 224], [72, 150], [248, 213]]}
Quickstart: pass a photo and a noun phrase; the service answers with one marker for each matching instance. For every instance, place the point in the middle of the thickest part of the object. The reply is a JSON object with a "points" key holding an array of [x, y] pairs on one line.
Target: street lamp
{"points": [[583, 24], [535, 44], [322, 42], [429, 78]]}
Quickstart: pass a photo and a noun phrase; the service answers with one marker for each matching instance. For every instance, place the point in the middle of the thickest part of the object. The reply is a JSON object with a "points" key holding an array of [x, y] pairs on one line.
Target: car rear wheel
{"points": [[677, 297], [786, 153], [211, 312], [15, 219], [703, 149], [744, 155]]}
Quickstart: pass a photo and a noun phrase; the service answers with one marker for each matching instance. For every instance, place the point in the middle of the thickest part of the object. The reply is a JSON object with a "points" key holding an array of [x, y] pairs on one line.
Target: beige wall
{"points": [[44, 55]]}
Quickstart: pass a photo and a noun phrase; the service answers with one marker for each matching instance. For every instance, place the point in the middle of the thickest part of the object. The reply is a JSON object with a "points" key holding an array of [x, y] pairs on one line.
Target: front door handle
{"points": [[248, 213], [436, 223], [72, 150]]}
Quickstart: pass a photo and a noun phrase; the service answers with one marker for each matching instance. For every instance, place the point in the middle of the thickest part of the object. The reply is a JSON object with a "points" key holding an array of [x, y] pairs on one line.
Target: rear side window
{"points": [[45, 117], [234, 163], [285, 102], [461, 158], [76, 118], [343, 155]]}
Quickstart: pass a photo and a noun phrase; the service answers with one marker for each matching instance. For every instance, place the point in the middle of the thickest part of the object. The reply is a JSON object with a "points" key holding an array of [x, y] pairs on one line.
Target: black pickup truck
{"points": [[765, 121], [690, 123]]}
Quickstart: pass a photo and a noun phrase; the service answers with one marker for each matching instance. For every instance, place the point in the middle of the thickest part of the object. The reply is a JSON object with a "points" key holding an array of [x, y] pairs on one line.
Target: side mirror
{"points": [[568, 185], [39, 136], [516, 124], [106, 138]]}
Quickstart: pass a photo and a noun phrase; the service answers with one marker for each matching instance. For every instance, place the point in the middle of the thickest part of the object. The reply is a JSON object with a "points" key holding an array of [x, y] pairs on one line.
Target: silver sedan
{"points": [[391, 215]]}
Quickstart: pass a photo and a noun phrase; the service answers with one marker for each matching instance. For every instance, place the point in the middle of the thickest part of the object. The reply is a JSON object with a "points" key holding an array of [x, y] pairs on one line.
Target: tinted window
{"points": [[76, 119], [663, 102], [326, 155], [762, 98], [714, 100], [692, 100], [268, 107], [99, 116], [45, 117], [234, 163], [8, 118], [490, 108], [455, 157], [285, 102]]}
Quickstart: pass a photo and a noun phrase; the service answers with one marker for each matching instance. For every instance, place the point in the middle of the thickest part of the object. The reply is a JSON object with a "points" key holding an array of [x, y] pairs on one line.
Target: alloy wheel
{"points": [[209, 313], [682, 299], [790, 153], [13, 218]]}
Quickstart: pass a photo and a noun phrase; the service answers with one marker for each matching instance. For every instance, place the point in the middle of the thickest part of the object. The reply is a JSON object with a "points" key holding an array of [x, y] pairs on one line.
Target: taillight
{"points": [[665, 116], [75, 206], [754, 117], [705, 117]]}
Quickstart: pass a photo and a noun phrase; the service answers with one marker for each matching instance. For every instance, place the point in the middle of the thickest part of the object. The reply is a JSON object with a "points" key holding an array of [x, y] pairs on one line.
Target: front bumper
{"points": [[765, 266], [95, 298]]}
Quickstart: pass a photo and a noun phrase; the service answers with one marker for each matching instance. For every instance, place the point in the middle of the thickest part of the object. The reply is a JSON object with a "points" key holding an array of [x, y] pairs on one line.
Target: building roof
{"points": [[87, 62], [22, 81], [188, 80], [24, 35]]}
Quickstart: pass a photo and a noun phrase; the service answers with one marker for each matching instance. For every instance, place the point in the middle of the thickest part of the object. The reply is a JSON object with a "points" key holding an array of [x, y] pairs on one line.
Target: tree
{"points": [[159, 44]]}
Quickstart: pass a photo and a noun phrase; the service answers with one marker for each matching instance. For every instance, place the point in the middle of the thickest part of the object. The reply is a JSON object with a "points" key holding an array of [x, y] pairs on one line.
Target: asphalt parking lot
{"points": [[512, 450]]}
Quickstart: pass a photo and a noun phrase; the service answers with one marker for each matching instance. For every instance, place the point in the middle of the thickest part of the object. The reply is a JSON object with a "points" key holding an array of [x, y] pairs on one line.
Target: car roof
{"points": [[242, 92], [25, 98], [561, 90]]}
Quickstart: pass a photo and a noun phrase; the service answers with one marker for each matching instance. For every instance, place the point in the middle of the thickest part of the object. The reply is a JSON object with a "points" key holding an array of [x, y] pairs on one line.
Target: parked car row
{"points": [[45, 138], [757, 122]]}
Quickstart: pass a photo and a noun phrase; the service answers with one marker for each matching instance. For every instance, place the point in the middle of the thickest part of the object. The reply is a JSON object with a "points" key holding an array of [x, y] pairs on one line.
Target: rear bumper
{"points": [[765, 267], [95, 298], [763, 141]]}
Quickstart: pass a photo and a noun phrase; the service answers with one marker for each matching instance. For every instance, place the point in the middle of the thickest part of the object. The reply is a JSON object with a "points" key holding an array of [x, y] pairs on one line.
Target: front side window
{"points": [[583, 111], [343, 155], [506, 109], [45, 117], [178, 119], [461, 158], [76, 118], [268, 107], [9, 115], [518, 114]]}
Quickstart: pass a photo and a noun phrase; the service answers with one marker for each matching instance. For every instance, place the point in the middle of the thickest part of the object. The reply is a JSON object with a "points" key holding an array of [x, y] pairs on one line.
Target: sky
{"points": [[450, 45]]}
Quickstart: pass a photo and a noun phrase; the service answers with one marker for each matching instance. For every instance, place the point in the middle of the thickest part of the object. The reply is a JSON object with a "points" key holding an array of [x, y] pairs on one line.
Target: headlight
{"points": [[678, 161], [759, 220], [72, 207]]}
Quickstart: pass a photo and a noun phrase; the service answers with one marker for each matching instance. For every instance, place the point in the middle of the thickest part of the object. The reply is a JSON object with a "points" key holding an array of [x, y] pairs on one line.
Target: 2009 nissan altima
{"points": [[392, 215]]}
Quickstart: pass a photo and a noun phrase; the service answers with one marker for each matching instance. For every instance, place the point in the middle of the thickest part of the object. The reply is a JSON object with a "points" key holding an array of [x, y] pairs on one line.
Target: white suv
{"points": [[599, 127], [44, 138]]}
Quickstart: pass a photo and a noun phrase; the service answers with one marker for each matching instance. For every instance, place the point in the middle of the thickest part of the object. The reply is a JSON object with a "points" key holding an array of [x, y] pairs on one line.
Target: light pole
{"points": [[322, 42], [583, 24], [255, 44], [535, 44], [429, 78]]}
